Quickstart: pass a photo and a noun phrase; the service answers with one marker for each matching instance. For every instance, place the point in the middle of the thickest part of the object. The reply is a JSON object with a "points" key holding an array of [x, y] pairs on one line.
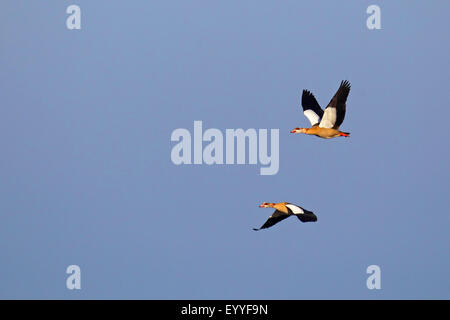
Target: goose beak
{"points": [[293, 131], [261, 206]]}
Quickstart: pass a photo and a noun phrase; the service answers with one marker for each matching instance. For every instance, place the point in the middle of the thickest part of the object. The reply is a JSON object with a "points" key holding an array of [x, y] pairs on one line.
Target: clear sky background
{"points": [[86, 176]]}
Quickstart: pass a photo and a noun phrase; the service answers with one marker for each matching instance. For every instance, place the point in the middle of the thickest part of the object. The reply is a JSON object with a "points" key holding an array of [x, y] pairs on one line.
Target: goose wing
{"points": [[302, 214], [276, 217], [311, 108], [335, 111]]}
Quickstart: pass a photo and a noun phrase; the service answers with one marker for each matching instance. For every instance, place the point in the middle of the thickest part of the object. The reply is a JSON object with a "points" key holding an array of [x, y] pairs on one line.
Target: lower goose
{"points": [[284, 210]]}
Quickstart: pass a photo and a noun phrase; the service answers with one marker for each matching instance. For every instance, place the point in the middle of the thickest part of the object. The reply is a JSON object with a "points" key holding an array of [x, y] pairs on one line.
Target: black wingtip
{"points": [[256, 229], [345, 83], [307, 93]]}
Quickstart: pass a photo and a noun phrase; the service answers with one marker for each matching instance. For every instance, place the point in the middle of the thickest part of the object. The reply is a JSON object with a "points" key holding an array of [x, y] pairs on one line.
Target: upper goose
{"points": [[325, 124], [284, 210]]}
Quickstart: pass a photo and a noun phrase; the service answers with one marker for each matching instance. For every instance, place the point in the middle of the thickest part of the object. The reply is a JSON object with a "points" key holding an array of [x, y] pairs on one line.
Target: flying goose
{"points": [[284, 210], [325, 124]]}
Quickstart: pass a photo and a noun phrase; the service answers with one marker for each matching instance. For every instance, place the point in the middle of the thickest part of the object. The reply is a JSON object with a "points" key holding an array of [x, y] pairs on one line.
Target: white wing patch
{"points": [[329, 118], [312, 116], [295, 209]]}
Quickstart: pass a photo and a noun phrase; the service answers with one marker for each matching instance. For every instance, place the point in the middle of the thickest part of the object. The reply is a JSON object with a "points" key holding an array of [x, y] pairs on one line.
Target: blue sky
{"points": [[87, 179]]}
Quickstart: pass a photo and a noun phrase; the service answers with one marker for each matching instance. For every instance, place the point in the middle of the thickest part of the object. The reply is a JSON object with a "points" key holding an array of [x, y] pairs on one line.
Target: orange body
{"points": [[325, 133], [281, 206]]}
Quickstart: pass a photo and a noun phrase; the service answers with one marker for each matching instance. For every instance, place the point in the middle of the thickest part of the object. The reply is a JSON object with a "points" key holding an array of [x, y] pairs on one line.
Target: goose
{"points": [[325, 124], [284, 210]]}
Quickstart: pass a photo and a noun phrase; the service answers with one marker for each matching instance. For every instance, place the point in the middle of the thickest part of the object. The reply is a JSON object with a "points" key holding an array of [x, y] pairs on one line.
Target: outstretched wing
{"points": [[335, 111], [276, 217], [307, 217], [311, 108], [302, 214]]}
